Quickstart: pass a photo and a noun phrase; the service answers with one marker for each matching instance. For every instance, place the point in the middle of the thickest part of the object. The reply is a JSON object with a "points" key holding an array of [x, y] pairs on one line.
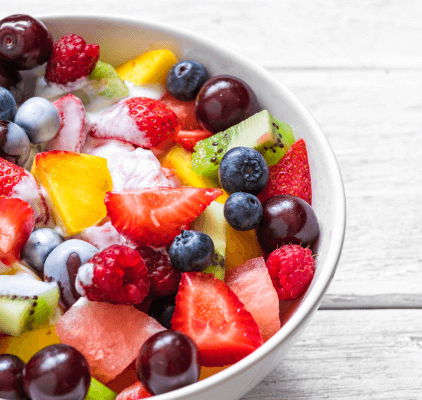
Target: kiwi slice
{"points": [[271, 137], [105, 82], [98, 391], [213, 223], [25, 303]]}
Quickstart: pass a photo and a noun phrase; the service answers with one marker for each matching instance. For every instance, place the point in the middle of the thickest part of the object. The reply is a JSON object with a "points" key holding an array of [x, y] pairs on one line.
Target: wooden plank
{"points": [[373, 121], [351, 355], [273, 33]]}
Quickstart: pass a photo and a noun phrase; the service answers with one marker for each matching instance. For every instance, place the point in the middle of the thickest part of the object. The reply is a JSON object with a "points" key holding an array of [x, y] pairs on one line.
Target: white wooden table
{"points": [[357, 66]]}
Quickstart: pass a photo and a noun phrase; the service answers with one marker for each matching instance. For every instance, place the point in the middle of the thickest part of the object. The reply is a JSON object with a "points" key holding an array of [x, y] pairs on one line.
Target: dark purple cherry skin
{"points": [[224, 101], [25, 42], [167, 361], [11, 368], [286, 220], [57, 372]]}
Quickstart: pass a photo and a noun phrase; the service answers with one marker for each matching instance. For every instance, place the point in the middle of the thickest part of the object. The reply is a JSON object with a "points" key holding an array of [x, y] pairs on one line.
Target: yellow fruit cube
{"points": [[150, 67], [179, 160], [76, 184]]}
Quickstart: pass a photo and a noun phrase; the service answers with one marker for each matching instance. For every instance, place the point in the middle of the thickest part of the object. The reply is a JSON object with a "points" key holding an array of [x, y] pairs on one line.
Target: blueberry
{"points": [[7, 105], [243, 211], [39, 245], [243, 169], [62, 266], [14, 143], [162, 309], [191, 251], [185, 79], [39, 118]]}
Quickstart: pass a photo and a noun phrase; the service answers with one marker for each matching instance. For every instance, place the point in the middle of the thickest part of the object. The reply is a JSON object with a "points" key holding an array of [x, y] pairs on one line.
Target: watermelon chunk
{"points": [[108, 335], [135, 392], [252, 284]]}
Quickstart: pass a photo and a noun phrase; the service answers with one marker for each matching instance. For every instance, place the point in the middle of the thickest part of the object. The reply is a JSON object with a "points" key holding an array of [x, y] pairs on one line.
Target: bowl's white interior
{"points": [[121, 39]]}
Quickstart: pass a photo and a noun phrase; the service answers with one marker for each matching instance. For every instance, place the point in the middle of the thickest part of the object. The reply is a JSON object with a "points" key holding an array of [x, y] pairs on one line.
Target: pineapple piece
{"points": [[76, 184], [150, 67], [179, 160]]}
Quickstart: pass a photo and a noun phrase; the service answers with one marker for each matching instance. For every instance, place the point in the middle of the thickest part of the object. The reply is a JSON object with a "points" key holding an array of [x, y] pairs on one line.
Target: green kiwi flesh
{"points": [[213, 223], [105, 82], [263, 132], [25, 303], [98, 391]]}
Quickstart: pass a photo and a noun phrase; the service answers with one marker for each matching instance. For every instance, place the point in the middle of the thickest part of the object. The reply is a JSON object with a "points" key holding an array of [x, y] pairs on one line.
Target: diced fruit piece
{"points": [[98, 391], [291, 268], [185, 79], [16, 225], [150, 67], [95, 329], [210, 313], [73, 128], [179, 160], [287, 219], [243, 211], [135, 392], [243, 246], [117, 274], [76, 184], [71, 60], [188, 139], [291, 175], [25, 303], [185, 111], [213, 223], [252, 284], [224, 101], [271, 137], [206, 372], [28, 343], [154, 217], [141, 121], [125, 379], [17, 182], [105, 82]]}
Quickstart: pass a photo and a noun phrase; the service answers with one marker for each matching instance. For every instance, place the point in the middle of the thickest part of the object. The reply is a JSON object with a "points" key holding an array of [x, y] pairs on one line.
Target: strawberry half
{"points": [[10, 175], [210, 313], [140, 121], [188, 139], [154, 217], [290, 175], [16, 225]]}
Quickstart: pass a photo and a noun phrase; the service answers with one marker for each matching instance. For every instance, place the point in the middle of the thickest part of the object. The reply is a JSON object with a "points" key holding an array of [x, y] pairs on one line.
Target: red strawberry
{"points": [[140, 121], [210, 313], [291, 268], [117, 274], [154, 217], [290, 175], [188, 139], [135, 392], [71, 59], [10, 176], [16, 225], [73, 125]]}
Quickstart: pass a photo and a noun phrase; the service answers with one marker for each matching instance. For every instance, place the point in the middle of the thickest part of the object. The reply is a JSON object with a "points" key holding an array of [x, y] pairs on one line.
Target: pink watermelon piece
{"points": [[108, 335], [252, 284]]}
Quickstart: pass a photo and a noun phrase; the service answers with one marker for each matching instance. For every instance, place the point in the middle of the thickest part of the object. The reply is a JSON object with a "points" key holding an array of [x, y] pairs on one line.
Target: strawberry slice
{"points": [[290, 175], [135, 392], [188, 139], [154, 217], [10, 175], [16, 225], [210, 313]]}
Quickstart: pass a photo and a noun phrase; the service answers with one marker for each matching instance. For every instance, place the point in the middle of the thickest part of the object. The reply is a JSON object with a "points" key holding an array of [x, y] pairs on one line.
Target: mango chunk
{"points": [[150, 67], [76, 184]]}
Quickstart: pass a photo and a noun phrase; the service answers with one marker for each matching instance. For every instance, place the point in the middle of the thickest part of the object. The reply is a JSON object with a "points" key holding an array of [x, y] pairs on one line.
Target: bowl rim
{"points": [[313, 298]]}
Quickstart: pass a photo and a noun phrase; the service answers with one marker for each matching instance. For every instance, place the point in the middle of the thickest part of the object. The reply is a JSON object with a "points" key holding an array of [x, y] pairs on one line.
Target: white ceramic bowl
{"points": [[121, 39]]}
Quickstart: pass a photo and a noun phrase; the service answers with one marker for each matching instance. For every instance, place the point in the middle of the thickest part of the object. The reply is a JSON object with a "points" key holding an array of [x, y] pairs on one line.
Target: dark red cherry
{"points": [[11, 368], [57, 372], [167, 361], [25, 42], [224, 101], [287, 219]]}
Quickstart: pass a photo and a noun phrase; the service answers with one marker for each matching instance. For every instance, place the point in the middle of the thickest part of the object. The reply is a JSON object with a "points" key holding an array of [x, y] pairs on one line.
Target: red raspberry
{"points": [[117, 274], [71, 59], [291, 268], [163, 278]]}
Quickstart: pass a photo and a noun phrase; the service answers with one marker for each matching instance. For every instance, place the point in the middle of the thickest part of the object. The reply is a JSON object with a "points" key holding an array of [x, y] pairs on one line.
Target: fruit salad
{"points": [[156, 224]]}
